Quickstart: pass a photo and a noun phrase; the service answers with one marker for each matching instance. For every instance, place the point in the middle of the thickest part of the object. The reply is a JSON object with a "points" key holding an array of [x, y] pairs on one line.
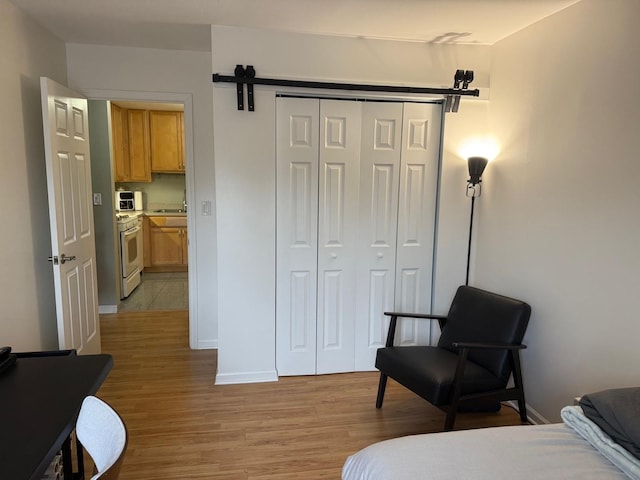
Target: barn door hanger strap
{"points": [[461, 81], [239, 73], [241, 76]]}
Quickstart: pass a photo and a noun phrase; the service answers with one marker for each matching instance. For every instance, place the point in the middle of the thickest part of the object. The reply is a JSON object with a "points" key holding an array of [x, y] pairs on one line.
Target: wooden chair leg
{"points": [[382, 385], [450, 418], [519, 384], [457, 390], [523, 411]]}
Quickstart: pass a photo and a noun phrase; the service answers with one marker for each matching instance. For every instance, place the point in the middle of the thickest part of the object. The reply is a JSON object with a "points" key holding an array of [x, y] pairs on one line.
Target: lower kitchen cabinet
{"points": [[167, 245]]}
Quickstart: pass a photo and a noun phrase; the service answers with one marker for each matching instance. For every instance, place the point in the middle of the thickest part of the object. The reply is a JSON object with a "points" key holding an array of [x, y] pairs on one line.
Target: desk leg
{"points": [[67, 462], [80, 455]]}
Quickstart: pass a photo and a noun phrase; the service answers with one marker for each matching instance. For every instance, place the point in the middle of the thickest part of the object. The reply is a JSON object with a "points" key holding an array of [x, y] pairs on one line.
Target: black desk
{"points": [[40, 398]]}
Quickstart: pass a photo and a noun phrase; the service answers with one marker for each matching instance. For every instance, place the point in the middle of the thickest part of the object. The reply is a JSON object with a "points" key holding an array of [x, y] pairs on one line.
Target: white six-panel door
{"points": [[68, 165], [416, 217], [337, 234], [378, 220], [356, 186], [297, 235]]}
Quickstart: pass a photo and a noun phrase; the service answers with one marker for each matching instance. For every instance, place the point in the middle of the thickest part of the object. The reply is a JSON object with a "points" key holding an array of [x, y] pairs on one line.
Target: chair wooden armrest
{"points": [[495, 346], [416, 315], [391, 333]]}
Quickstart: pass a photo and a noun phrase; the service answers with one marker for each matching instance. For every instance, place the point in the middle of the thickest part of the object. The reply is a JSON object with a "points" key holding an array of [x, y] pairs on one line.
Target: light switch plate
{"points": [[206, 208], [97, 199]]}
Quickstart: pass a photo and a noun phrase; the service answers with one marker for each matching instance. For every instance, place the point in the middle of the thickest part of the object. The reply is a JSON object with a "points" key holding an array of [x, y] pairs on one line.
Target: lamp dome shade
{"points": [[476, 167]]}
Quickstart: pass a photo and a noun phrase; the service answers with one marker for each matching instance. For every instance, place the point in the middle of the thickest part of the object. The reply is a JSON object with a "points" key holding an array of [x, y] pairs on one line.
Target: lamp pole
{"points": [[474, 189], [473, 201]]}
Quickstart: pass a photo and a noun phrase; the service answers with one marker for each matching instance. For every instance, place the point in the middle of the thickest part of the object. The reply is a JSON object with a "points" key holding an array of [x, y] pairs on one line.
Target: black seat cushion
{"points": [[429, 372]]}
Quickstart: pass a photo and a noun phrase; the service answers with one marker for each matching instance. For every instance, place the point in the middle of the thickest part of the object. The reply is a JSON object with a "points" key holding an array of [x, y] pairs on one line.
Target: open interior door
{"points": [[66, 140]]}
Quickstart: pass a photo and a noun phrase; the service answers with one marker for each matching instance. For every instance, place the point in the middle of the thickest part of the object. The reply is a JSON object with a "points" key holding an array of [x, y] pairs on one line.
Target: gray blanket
{"points": [[617, 413]]}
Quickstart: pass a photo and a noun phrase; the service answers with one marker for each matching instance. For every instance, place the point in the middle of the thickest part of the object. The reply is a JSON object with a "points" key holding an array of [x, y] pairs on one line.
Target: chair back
{"points": [[103, 434], [485, 317]]}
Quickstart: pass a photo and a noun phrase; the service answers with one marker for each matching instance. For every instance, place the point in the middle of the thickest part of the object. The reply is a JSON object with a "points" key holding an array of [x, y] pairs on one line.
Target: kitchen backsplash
{"points": [[165, 191]]}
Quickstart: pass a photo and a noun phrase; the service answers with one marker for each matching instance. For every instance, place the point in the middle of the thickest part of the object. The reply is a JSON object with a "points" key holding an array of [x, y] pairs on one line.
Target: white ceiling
{"points": [[185, 24]]}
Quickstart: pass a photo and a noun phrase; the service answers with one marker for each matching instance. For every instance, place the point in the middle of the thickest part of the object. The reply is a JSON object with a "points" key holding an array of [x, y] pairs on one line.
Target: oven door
{"points": [[131, 252]]}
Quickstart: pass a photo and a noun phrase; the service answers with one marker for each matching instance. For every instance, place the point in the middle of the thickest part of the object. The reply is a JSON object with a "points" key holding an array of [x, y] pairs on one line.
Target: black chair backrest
{"points": [[484, 317]]}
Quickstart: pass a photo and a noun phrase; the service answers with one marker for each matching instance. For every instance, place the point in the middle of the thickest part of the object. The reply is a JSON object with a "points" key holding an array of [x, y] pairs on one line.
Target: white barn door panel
{"points": [[416, 218], [337, 234], [297, 235], [380, 179]]}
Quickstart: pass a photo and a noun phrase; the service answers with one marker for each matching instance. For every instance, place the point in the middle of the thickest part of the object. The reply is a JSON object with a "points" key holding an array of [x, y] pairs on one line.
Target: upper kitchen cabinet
{"points": [[119, 139], [139, 161], [130, 132], [166, 133]]}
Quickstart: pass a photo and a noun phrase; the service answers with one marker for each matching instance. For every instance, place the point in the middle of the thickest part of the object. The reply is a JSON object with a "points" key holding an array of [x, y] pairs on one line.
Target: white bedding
{"points": [[503, 453], [616, 454]]}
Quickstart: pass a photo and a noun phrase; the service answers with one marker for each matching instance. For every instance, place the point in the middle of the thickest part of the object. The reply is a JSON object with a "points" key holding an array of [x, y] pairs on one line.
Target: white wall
{"points": [[245, 170], [95, 67], [559, 224], [470, 126], [28, 319]]}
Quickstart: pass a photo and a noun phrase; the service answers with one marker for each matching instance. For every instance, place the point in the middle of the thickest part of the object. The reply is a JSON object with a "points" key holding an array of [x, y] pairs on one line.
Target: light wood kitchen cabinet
{"points": [[120, 147], [130, 136], [166, 133], [167, 244], [139, 159], [146, 242]]}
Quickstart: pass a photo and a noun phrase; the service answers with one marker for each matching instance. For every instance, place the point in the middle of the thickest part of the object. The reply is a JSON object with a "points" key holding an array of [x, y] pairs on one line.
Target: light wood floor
{"points": [[182, 426]]}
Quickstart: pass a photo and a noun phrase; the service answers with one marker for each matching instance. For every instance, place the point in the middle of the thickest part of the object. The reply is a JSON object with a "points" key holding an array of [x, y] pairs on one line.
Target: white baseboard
{"points": [[207, 345], [246, 377], [535, 417], [107, 309], [532, 414]]}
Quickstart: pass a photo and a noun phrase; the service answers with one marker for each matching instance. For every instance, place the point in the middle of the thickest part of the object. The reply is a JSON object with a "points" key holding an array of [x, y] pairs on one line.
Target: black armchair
{"points": [[477, 352]]}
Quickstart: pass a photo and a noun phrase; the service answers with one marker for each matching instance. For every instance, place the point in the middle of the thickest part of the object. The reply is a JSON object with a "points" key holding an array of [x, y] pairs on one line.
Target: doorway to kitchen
{"points": [[148, 153], [176, 287]]}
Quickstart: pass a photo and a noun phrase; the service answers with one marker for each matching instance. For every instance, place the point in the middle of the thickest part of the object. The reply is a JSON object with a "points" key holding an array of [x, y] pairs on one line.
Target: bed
{"points": [[599, 439]]}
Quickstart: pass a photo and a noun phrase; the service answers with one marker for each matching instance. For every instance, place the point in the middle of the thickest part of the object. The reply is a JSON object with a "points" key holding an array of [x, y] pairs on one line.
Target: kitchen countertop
{"points": [[165, 213]]}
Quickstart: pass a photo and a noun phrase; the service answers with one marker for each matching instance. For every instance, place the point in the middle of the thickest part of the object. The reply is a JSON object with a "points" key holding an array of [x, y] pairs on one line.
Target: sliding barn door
{"points": [[356, 188]]}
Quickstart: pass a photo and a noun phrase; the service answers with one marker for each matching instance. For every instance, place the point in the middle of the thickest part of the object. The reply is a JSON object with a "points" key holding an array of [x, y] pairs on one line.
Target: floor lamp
{"points": [[474, 189]]}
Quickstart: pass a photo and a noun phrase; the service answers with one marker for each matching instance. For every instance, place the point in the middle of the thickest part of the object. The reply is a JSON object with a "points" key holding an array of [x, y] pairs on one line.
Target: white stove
{"points": [[129, 225], [125, 221]]}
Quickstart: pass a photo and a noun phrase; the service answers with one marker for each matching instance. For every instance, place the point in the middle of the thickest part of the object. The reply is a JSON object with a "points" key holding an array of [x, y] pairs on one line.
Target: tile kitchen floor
{"points": [[159, 291]]}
